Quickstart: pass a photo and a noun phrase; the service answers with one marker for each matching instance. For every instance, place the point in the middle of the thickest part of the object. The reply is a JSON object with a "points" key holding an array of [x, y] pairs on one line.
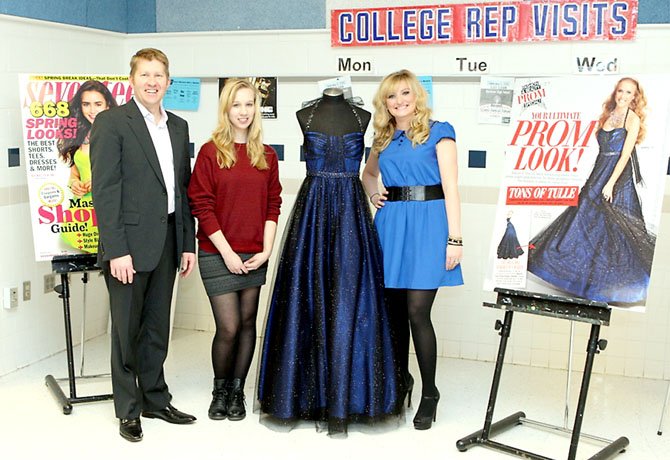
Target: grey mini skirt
{"points": [[218, 280]]}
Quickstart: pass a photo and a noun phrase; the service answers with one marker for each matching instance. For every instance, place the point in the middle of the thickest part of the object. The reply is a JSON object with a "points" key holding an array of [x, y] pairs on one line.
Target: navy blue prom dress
{"points": [[327, 355], [509, 247]]}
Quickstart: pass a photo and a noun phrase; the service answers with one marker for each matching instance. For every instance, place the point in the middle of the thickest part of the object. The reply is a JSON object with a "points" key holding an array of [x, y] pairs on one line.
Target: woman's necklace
{"points": [[616, 120]]}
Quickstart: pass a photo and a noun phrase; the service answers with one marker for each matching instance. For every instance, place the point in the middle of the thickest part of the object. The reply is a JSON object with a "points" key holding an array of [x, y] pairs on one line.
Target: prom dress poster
{"points": [[582, 188]]}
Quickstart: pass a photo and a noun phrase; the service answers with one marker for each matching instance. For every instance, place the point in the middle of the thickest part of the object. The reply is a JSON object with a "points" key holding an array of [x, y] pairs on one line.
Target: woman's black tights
{"points": [[235, 338], [410, 309]]}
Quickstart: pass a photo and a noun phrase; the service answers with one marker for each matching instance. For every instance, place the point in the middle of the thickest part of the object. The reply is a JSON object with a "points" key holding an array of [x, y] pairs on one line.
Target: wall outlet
{"points": [[26, 291], [49, 283], [10, 297]]}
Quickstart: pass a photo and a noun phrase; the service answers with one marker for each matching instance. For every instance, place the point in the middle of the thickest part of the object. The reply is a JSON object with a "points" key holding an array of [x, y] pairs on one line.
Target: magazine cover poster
{"points": [[57, 113], [267, 87], [582, 188]]}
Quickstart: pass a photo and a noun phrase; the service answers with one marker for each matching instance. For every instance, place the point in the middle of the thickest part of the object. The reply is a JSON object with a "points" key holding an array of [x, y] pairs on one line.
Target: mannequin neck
{"points": [[333, 95]]}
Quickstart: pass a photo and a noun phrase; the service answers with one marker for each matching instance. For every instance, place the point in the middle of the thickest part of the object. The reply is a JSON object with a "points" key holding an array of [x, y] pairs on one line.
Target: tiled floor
{"points": [[33, 425]]}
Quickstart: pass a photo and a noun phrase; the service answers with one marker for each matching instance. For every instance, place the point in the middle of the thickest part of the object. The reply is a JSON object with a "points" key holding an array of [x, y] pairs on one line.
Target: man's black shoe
{"points": [[170, 414], [130, 429]]}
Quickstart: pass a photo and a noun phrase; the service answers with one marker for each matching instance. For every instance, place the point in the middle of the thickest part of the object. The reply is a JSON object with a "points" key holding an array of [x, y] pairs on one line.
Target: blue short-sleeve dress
{"points": [[413, 234]]}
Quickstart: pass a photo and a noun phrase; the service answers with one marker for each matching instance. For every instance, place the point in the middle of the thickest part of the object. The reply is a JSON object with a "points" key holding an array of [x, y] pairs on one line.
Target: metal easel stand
{"points": [[64, 265], [565, 429], [665, 406], [595, 313]]}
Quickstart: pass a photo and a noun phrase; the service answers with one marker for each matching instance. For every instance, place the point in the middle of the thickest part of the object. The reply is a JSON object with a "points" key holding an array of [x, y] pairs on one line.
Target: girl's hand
{"points": [[608, 192], [79, 188], [378, 198], [234, 264], [454, 256], [257, 260]]}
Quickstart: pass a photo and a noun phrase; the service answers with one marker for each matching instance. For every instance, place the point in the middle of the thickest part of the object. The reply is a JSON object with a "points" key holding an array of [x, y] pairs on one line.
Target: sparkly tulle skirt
{"points": [[327, 354], [598, 250]]}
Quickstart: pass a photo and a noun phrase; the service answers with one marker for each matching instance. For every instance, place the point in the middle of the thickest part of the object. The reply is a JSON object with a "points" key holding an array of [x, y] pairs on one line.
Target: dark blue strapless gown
{"points": [[509, 247], [599, 250], [327, 355]]}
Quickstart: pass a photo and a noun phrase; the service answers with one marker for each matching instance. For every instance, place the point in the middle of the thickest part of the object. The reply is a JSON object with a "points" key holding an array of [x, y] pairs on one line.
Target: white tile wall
{"points": [[638, 343], [35, 329]]}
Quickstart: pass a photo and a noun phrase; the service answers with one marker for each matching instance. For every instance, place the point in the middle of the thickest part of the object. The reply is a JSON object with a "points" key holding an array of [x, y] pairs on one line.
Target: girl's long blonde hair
{"points": [[385, 125], [637, 105], [223, 136]]}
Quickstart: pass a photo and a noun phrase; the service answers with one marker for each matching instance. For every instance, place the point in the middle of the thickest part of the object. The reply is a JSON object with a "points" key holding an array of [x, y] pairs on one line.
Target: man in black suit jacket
{"points": [[140, 171]]}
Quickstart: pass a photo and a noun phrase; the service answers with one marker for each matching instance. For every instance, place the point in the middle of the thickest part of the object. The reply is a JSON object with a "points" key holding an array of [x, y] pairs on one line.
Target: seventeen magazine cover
{"points": [[57, 114]]}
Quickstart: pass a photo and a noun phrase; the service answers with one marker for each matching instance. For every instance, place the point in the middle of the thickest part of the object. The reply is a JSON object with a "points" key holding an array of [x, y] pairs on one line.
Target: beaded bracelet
{"points": [[372, 196], [455, 241]]}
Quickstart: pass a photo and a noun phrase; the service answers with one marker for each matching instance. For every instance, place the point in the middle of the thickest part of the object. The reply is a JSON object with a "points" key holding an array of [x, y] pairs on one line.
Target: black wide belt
{"points": [[415, 193]]}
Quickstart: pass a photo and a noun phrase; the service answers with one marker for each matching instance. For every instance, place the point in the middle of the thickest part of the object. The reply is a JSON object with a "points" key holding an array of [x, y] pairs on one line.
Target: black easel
{"points": [[64, 265], [665, 406], [575, 309]]}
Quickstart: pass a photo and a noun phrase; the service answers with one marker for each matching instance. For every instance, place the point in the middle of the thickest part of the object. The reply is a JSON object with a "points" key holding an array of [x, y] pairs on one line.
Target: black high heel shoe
{"points": [[409, 387], [427, 412]]}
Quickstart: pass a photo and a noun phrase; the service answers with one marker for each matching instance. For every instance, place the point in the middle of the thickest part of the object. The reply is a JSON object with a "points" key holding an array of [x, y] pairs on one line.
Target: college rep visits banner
{"points": [[485, 22], [57, 113], [584, 178]]}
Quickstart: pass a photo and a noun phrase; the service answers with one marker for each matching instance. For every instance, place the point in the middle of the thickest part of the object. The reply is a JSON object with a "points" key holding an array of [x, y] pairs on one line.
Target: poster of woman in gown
{"points": [[509, 246], [585, 169]]}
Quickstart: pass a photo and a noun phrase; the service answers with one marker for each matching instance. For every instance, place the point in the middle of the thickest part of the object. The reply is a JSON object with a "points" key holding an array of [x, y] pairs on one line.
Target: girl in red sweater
{"points": [[235, 195]]}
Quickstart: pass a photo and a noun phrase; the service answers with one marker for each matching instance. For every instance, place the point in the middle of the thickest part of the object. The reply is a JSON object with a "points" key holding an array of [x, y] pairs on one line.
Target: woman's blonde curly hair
{"points": [[637, 105], [383, 122]]}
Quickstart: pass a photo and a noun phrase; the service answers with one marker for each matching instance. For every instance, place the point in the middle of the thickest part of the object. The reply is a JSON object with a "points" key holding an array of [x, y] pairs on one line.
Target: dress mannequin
{"points": [[328, 354]]}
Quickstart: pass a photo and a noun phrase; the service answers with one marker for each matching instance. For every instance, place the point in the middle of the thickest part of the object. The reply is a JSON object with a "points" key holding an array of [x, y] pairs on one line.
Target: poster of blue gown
{"points": [[582, 189]]}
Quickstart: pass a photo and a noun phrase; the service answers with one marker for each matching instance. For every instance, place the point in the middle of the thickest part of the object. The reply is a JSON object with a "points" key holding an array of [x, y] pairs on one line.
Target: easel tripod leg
{"points": [[615, 447], [591, 350], [57, 392], [51, 383], [498, 427], [665, 406], [491, 428]]}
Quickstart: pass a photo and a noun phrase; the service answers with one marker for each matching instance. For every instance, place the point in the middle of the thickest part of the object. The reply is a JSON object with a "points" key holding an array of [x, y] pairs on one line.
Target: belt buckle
{"points": [[406, 194]]}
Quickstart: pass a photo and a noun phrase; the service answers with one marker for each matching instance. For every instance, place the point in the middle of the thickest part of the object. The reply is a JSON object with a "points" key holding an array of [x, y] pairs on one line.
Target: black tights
{"points": [[410, 309], [235, 339]]}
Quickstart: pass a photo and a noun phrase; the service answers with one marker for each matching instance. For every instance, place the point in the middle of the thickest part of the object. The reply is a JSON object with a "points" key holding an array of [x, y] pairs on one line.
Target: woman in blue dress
{"points": [[418, 220], [601, 249]]}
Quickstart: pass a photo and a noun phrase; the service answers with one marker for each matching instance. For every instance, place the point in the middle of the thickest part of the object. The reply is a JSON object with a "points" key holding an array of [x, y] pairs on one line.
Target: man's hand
{"points": [[187, 264], [122, 268]]}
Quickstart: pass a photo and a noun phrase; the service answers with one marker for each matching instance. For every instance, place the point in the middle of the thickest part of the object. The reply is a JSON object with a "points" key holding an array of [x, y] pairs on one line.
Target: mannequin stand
{"points": [[65, 265], [594, 313]]}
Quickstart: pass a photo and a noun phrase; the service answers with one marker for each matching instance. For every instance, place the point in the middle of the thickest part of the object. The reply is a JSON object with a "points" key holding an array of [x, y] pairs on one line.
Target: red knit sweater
{"points": [[238, 201]]}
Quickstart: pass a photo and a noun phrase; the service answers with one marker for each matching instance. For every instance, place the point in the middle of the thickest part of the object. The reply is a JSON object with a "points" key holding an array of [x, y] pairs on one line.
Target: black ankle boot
{"points": [[236, 410], [218, 409], [427, 412]]}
